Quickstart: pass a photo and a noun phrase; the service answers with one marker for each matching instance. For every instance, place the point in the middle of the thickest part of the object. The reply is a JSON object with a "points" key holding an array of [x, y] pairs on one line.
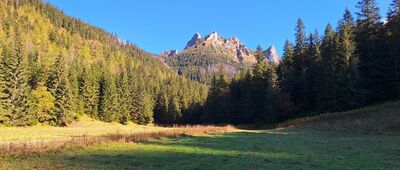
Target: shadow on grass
{"points": [[277, 149]]}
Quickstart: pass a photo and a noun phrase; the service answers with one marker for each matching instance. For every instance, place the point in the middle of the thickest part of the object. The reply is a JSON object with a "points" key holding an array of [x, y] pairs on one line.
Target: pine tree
{"points": [[125, 97], [75, 75], [142, 108], [161, 108], [285, 73], [108, 98], [285, 69], [259, 88], [300, 67], [90, 92], [270, 105], [345, 64], [328, 52], [313, 72], [15, 88], [392, 60], [216, 106], [57, 82], [367, 38]]}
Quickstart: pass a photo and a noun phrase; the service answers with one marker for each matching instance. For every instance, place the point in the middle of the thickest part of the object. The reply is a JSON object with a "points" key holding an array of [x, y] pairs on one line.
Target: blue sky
{"points": [[158, 25]]}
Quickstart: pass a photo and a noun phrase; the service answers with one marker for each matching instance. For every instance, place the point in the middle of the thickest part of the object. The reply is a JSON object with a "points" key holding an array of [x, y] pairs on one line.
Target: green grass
{"points": [[366, 138], [294, 148], [86, 126]]}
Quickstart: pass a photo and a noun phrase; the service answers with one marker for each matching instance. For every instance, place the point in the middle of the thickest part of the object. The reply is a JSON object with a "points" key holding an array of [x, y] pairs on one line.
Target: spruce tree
{"points": [[313, 72], [345, 64], [300, 67], [57, 82], [328, 52], [108, 98], [143, 105], [392, 60], [15, 88], [125, 97], [90, 91], [286, 78], [367, 38]]}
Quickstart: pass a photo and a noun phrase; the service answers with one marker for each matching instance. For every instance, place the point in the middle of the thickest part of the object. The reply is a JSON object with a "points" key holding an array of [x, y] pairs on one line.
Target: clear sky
{"points": [[158, 25]]}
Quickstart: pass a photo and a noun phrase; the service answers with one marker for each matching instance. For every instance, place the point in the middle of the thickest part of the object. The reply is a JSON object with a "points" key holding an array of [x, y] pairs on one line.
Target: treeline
{"points": [[352, 65], [55, 68], [201, 66]]}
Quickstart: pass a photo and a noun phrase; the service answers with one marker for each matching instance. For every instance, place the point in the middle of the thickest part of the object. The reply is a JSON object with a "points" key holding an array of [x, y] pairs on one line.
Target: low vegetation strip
{"points": [[379, 119], [26, 147]]}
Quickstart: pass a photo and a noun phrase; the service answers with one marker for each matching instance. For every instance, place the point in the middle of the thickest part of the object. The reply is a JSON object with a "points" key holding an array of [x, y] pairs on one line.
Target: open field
{"points": [[86, 126], [292, 148], [322, 142]]}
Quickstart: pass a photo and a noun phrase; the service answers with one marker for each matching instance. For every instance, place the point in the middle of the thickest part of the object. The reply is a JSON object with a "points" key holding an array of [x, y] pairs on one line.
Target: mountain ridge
{"points": [[231, 47]]}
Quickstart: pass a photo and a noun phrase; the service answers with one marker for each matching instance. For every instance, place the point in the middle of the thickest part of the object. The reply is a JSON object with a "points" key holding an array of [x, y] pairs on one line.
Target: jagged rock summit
{"points": [[271, 55], [169, 53], [193, 41], [216, 45]]}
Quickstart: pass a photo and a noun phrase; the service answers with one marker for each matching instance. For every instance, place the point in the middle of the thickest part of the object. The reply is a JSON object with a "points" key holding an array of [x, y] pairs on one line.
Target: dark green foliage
{"points": [[108, 101], [368, 47], [14, 86], [90, 91], [57, 83], [391, 35], [125, 98]]}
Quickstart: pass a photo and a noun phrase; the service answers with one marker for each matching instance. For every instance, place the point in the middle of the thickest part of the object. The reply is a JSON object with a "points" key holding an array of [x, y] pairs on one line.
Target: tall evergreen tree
{"points": [[300, 67], [286, 77], [328, 52], [108, 98], [90, 91], [367, 38], [345, 65], [313, 75], [392, 59], [57, 82], [15, 89], [125, 97]]}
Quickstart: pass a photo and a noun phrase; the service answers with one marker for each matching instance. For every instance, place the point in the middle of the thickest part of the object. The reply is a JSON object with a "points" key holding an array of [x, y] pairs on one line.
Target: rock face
{"points": [[169, 53], [193, 41], [216, 45], [271, 55]]}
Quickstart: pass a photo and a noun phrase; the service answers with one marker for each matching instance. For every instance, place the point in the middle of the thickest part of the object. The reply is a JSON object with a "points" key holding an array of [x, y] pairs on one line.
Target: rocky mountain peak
{"points": [[218, 45], [272, 55], [213, 38], [194, 40]]}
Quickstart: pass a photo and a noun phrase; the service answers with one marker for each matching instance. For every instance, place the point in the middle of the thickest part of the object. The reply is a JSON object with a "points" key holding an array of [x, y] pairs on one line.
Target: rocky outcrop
{"points": [[271, 55], [193, 41], [216, 45], [169, 53]]}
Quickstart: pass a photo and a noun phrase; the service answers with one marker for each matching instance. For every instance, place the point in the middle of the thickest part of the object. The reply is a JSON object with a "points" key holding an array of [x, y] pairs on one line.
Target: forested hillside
{"points": [[55, 68], [352, 65]]}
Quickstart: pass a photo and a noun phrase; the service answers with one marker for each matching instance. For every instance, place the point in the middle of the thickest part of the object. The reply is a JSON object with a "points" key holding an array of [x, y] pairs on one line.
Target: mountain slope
{"points": [[99, 75], [204, 56]]}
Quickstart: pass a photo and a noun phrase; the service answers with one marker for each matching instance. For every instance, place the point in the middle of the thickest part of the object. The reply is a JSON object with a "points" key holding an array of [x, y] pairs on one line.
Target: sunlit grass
{"points": [[85, 126], [294, 148]]}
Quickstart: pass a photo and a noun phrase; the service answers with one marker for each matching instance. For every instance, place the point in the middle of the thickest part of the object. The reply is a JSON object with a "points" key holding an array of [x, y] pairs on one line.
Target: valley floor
{"points": [[292, 148], [366, 138]]}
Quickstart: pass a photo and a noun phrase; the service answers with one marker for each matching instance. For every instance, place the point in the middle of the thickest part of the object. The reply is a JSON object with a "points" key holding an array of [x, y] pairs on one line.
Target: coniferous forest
{"points": [[55, 68]]}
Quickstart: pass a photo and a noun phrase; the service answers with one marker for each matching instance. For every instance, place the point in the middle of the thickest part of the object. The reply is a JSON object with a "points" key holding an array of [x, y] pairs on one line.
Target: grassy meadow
{"points": [[293, 148], [367, 138]]}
